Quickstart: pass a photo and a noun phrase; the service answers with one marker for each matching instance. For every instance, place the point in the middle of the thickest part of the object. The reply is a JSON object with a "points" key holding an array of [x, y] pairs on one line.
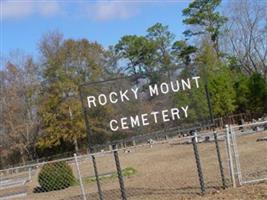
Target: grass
{"points": [[127, 172]]}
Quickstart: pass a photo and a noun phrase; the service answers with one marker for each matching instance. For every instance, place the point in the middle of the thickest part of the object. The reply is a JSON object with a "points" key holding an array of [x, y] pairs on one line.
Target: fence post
{"points": [[89, 137], [219, 159], [229, 152], [1, 180], [100, 193], [30, 173], [80, 178], [199, 169], [236, 156], [119, 172], [166, 137]]}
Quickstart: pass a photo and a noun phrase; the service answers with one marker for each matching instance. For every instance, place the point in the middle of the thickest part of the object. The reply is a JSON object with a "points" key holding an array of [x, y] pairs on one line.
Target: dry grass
{"points": [[167, 171]]}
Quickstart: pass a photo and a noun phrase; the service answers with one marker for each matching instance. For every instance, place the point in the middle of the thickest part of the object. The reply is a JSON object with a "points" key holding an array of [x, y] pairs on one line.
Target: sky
{"points": [[24, 22]]}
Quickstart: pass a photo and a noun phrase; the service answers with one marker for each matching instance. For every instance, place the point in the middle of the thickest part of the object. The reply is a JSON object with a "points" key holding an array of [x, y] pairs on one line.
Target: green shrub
{"points": [[56, 176], [127, 172]]}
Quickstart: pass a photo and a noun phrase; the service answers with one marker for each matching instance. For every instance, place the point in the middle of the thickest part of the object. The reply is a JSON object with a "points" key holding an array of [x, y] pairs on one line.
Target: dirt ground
{"points": [[168, 171]]}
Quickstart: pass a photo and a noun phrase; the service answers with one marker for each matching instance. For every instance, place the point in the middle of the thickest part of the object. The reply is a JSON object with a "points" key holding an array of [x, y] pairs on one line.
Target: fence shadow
{"points": [[134, 192]]}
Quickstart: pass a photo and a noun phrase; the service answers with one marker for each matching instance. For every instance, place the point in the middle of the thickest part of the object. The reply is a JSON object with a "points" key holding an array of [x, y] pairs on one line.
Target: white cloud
{"points": [[49, 8], [19, 9], [113, 10], [97, 10]]}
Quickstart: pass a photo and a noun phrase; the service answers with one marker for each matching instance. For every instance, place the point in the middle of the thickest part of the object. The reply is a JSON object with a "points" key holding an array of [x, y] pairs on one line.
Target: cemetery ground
{"points": [[167, 171]]}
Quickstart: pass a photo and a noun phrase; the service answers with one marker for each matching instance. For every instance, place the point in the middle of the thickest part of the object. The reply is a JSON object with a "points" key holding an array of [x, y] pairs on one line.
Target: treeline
{"points": [[41, 113]]}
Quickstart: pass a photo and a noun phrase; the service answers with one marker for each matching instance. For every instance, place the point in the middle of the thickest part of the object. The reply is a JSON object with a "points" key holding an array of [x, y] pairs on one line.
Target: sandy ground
{"points": [[168, 171]]}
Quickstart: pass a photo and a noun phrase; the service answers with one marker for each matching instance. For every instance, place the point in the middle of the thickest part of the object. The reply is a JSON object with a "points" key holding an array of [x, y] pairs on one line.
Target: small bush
{"points": [[56, 176]]}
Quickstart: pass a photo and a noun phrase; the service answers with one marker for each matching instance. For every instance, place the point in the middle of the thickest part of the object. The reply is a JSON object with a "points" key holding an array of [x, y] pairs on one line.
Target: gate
{"points": [[247, 147]]}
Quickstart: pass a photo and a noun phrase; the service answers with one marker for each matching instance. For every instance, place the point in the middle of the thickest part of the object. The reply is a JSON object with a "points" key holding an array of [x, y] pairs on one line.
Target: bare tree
{"points": [[246, 37], [20, 126], [50, 44]]}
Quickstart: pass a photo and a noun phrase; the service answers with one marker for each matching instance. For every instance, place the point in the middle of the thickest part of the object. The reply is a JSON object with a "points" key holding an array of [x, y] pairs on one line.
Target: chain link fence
{"points": [[166, 168], [170, 167]]}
